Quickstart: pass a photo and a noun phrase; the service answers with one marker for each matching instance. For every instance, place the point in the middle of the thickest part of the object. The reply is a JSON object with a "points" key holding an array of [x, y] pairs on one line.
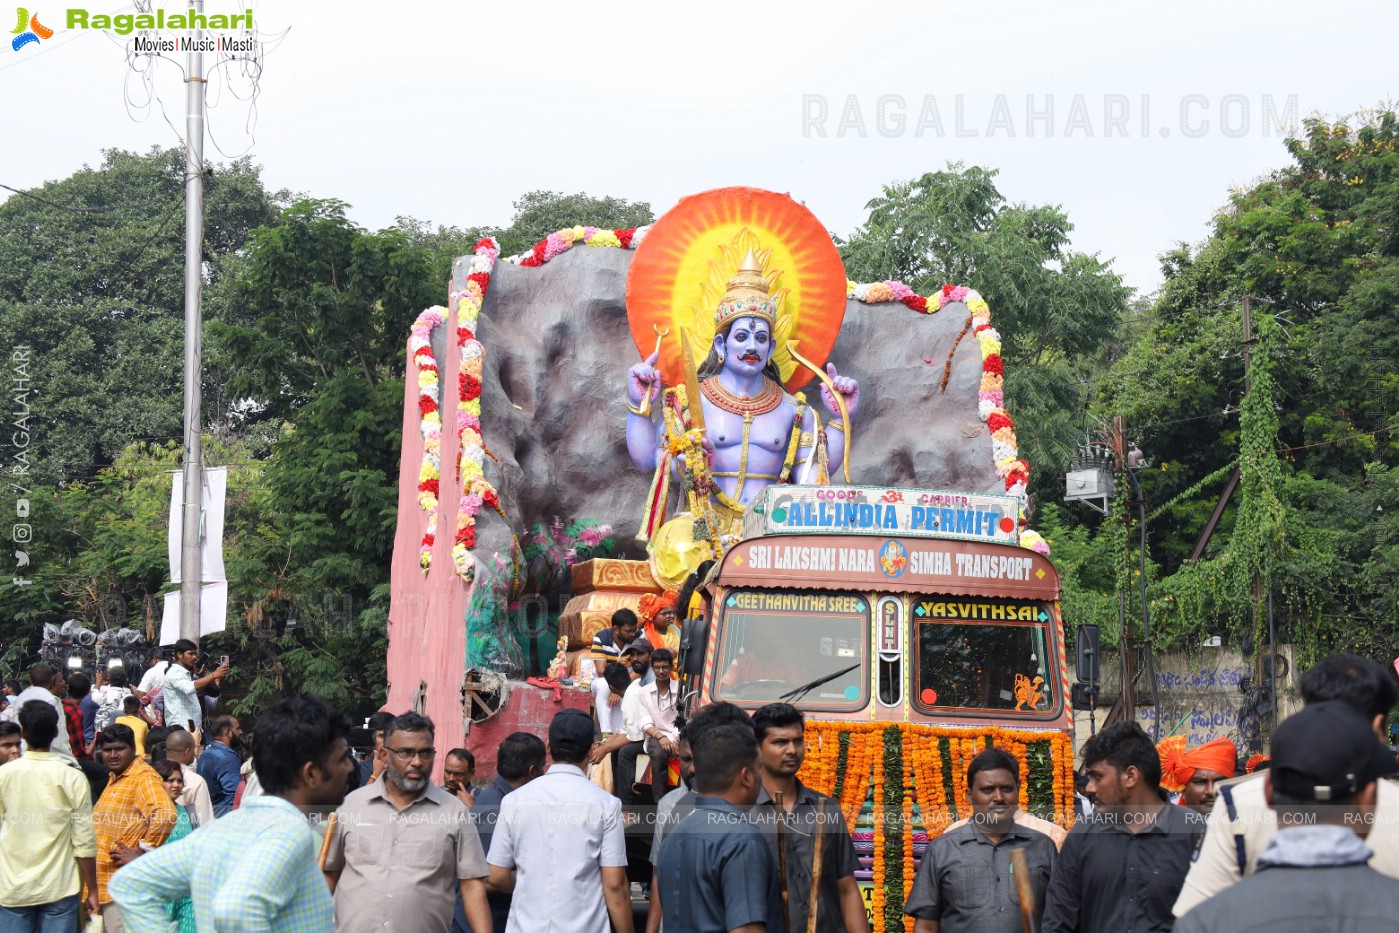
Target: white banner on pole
{"points": [[215, 489], [213, 612]]}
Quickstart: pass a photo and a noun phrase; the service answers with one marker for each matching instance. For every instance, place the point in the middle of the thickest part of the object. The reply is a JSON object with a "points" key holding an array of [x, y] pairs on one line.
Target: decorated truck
{"points": [[912, 631], [690, 405]]}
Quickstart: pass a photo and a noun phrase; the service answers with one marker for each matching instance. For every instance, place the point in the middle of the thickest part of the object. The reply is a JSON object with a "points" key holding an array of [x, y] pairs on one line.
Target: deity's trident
{"points": [[646, 402], [840, 401]]}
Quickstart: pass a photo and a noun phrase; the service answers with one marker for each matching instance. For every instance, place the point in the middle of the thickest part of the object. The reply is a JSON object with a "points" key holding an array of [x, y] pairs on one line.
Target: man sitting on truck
{"points": [[611, 644]]}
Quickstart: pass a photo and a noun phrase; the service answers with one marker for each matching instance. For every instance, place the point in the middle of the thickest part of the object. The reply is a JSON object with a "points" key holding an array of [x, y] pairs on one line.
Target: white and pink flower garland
{"points": [[991, 396], [476, 489], [564, 240]]}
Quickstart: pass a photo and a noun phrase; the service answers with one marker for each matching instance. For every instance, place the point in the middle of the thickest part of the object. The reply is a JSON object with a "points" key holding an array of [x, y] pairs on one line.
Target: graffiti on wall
{"points": [[1201, 702]]}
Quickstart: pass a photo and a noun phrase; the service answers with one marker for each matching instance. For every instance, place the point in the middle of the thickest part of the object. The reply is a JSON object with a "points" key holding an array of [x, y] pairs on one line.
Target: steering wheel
{"points": [[758, 689]]}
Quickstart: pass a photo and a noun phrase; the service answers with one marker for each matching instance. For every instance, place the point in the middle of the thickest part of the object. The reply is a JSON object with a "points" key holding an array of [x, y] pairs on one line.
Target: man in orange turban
{"points": [[1194, 773], [657, 615]]}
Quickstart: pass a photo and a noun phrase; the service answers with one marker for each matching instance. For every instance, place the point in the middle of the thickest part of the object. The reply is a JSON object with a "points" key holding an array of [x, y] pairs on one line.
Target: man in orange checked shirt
{"points": [[135, 814]]}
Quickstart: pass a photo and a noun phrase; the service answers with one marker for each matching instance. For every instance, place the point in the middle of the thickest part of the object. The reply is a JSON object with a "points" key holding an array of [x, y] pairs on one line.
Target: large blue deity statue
{"points": [[754, 433]]}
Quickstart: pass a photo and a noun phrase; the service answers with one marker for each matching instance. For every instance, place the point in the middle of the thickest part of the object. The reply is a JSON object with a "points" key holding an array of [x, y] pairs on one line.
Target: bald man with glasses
{"points": [[401, 848]]}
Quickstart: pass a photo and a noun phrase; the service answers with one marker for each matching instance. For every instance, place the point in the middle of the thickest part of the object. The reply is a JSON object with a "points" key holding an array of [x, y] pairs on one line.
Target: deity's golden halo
{"points": [[682, 268]]}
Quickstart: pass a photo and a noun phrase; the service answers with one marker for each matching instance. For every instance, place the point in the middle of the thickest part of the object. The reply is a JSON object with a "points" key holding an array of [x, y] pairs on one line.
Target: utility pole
{"points": [[1126, 644], [190, 551]]}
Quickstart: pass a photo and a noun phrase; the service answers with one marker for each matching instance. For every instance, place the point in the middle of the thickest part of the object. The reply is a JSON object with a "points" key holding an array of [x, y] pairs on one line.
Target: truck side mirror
{"points": [[693, 638], [1086, 654]]}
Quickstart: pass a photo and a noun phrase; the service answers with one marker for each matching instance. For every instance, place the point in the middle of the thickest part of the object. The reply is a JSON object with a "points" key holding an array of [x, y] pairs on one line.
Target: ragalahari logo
{"points": [[28, 30]]}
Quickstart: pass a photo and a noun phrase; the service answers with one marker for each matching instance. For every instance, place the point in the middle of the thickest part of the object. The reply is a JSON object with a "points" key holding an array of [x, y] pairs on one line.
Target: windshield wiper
{"points": [[796, 695]]}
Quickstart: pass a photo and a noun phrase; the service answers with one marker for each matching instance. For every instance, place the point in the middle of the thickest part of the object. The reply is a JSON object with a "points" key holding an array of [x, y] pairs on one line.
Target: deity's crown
{"points": [[746, 296]]}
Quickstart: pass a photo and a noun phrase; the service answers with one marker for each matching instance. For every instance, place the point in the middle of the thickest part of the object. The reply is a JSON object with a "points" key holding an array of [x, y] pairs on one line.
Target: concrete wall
{"points": [[1200, 697]]}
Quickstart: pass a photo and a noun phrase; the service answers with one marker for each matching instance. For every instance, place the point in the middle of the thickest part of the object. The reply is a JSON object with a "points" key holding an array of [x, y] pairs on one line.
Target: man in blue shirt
{"points": [[716, 873], [255, 870], [219, 765], [521, 759]]}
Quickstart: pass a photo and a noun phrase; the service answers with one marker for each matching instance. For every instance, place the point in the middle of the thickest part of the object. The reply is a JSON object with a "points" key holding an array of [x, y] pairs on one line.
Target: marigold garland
{"points": [[909, 785], [902, 765], [1013, 470]]}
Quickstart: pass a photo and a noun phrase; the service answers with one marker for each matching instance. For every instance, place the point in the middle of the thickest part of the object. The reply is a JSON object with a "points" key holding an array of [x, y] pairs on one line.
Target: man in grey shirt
{"points": [[965, 882], [401, 848]]}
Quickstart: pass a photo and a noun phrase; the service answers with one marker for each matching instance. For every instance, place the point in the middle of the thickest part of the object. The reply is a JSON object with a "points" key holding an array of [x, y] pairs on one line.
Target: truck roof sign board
{"points": [[890, 565], [874, 510]]}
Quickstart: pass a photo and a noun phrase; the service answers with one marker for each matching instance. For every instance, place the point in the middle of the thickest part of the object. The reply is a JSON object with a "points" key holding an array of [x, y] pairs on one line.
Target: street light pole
{"points": [[191, 518]]}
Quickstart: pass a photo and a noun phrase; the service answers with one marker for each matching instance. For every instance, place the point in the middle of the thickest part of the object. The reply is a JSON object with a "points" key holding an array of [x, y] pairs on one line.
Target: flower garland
{"points": [[477, 491], [901, 765], [991, 394], [859, 771], [564, 240], [429, 424], [907, 778], [883, 798]]}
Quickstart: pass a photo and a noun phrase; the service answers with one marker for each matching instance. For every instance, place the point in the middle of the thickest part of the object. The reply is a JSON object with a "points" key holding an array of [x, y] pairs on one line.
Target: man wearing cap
{"points": [[1313, 874], [1193, 773], [1242, 823], [558, 844]]}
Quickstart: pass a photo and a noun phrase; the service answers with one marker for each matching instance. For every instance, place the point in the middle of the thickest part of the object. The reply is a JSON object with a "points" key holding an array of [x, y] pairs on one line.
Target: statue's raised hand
{"points": [[848, 388], [644, 379]]}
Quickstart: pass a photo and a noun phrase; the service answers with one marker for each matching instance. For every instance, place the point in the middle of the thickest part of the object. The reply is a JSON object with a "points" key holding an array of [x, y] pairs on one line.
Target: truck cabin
{"points": [[866, 626]]}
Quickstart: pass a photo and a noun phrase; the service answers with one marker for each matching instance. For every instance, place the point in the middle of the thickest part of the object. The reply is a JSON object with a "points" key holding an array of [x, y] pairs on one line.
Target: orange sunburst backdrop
{"points": [[678, 275]]}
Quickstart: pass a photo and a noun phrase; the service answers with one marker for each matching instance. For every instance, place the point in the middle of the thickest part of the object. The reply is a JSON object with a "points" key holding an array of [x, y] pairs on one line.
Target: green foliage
{"points": [[312, 331], [92, 281], [1312, 519], [1055, 308]]}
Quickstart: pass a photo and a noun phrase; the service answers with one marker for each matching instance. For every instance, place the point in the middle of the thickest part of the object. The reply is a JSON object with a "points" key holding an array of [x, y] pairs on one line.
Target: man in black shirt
{"points": [[797, 821], [1122, 867]]}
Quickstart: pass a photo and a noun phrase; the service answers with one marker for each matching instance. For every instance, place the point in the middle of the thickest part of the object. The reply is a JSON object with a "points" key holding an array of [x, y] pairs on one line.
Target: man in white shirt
{"points": [[40, 688], [1242, 823], [558, 844], [624, 743], [659, 704], [180, 747], [181, 689], [154, 677]]}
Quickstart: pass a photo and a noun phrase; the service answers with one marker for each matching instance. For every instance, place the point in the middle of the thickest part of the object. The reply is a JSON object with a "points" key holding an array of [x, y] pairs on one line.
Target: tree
{"points": [[1314, 248], [1055, 308], [312, 329], [92, 282]]}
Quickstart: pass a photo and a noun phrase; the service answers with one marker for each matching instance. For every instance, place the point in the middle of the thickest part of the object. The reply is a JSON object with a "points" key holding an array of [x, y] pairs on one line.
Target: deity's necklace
{"points": [[749, 406]]}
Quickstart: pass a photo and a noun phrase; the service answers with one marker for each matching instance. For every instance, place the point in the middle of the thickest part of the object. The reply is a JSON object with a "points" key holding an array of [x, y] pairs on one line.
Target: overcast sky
{"points": [[448, 111]]}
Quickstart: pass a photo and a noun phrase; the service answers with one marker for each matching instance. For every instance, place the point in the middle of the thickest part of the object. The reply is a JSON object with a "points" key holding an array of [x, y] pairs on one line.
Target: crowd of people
{"points": [[157, 827]]}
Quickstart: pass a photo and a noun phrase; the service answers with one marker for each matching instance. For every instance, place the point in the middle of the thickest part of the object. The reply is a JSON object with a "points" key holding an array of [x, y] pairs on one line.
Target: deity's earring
{"points": [[721, 356]]}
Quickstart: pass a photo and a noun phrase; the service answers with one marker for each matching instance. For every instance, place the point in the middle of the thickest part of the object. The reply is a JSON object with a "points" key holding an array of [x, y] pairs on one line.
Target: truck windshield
{"points": [[977, 665], [772, 642]]}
